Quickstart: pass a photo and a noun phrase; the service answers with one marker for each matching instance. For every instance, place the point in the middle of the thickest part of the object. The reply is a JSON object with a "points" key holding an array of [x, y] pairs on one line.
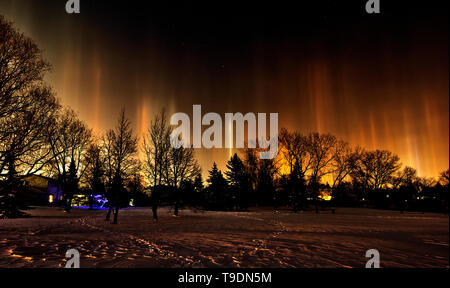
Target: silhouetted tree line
{"points": [[311, 166], [39, 136]]}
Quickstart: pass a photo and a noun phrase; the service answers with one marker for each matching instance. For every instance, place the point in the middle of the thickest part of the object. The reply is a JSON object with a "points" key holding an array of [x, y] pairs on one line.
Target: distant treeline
{"points": [[40, 136], [296, 179]]}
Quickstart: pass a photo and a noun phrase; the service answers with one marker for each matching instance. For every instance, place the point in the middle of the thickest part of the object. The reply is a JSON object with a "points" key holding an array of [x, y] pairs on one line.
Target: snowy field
{"points": [[260, 238]]}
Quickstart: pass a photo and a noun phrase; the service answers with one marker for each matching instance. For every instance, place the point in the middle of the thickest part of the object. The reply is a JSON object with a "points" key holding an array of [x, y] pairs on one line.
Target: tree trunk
{"points": [[175, 210], [155, 201], [332, 201], [68, 204], [155, 211], [116, 214], [108, 214]]}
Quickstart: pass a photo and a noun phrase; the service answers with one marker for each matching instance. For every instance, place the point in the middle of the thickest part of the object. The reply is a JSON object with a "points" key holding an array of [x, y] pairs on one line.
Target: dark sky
{"points": [[380, 81]]}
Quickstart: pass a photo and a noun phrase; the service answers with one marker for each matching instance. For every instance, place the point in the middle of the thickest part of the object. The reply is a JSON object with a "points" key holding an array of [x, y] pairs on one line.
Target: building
{"points": [[46, 190]]}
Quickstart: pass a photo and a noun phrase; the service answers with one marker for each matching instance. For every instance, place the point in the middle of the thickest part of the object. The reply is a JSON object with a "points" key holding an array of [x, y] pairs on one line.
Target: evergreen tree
{"points": [[218, 198], [198, 183], [238, 182], [265, 182]]}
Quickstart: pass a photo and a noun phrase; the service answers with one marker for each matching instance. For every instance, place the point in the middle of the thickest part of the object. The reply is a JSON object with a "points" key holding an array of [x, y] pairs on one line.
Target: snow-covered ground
{"points": [[260, 238]]}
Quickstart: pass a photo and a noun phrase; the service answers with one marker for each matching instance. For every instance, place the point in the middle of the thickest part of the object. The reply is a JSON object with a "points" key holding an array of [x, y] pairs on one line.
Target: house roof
{"points": [[40, 176]]}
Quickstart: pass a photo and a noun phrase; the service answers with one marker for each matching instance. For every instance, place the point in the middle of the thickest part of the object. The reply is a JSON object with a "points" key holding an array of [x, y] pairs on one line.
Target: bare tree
{"points": [[26, 108], [444, 178], [295, 152], [342, 165], [344, 162], [94, 175], [406, 177], [68, 138], [157, 149], [427, 182], [296, 147], [289, 142], [406, 185], [107, 147], [23, 148], [22, 67], [123, 151], [321, 150], [182, 166], [375, 169]]}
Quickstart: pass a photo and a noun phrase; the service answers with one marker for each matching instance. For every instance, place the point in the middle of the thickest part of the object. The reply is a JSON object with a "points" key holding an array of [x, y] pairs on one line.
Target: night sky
{"points": [[379, 81]]}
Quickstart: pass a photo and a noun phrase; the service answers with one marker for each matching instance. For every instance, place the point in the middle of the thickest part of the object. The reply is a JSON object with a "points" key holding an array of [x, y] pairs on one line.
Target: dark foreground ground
{"points": [[262, 238]]}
